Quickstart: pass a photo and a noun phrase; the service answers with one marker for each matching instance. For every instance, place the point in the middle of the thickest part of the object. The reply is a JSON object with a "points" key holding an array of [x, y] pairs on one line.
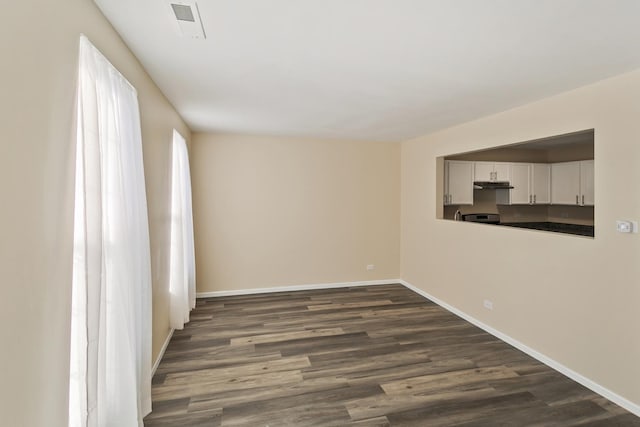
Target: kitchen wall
{"points": [[484, 201], [274, 211], [574, 300], [39, 45], [583, 215], [581, 148], [503, 154], [571, 153]]}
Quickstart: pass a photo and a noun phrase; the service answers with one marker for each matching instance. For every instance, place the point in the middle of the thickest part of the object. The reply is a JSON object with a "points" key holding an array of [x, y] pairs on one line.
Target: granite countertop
{"points": [[579, 230]]}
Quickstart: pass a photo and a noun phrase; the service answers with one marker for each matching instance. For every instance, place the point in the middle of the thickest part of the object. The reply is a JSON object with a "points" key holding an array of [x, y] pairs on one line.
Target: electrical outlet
{"points": [[371, 267], [488, 304]]}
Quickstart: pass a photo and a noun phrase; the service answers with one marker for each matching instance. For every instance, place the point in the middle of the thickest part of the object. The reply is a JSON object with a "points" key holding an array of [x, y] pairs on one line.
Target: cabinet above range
{"points": [[491, 171]]}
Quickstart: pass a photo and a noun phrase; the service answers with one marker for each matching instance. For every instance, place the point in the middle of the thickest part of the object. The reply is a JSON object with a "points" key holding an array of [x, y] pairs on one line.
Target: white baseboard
{"points": [[162, 350], [295, 288], [592, 385]]}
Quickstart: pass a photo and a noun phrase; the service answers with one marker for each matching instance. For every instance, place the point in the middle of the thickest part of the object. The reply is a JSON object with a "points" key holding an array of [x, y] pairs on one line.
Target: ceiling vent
{"points": [[186, 15]]}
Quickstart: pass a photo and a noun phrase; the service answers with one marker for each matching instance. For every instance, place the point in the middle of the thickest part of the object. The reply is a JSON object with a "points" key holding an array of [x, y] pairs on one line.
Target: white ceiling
{"points": [[373, 69]]}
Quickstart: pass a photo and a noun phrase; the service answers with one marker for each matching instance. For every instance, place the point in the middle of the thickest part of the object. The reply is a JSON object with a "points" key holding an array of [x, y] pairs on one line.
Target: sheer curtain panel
{"points": [[110, 375], [182, 259]]}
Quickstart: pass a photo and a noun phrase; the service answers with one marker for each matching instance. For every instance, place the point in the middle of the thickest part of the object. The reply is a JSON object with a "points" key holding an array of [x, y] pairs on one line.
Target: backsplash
{"points": [[524, 213], [582, 215], [485, 202]]}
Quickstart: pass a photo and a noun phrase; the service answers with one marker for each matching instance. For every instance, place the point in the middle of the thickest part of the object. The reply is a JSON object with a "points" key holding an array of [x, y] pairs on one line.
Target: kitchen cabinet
{"points": [[531, 184], [540, 184], [572, 183], [565, 183], [458, 182], [491, 171], [520, 194], [586, 183]]}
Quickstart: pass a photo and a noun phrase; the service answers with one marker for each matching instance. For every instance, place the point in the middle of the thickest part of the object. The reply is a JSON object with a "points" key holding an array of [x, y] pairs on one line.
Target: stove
{"points": [[486, 218]]}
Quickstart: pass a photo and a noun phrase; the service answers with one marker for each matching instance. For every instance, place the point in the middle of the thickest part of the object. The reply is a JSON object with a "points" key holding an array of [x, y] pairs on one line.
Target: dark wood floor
{"points": [[362, 356]]}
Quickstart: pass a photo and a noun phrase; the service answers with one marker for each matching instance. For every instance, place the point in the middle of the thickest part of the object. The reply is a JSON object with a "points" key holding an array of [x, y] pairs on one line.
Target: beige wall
{"points": [[573, 299], [284, 211], [39, 46]]}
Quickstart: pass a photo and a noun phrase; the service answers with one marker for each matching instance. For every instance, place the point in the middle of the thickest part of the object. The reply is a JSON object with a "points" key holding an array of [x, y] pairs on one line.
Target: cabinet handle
{"points": [[534, 199], [583, 200], [529, 198], [577, 202]]}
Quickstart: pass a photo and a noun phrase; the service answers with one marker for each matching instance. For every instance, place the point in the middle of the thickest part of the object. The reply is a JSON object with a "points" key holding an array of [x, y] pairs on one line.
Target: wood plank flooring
{"points": [[361, 356]]}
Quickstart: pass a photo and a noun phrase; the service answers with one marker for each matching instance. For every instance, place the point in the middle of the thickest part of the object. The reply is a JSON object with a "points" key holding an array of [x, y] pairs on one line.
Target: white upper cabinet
{"points": [[540, 184], [458, 182], [565, 183], [586, 183], [520, 194], [483, 172], [531, 184], [491, 171], [445, 194], [572, 183], [502, 171]]}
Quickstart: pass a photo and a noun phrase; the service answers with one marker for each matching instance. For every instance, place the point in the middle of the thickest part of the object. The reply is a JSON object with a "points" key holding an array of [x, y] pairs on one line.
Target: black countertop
{"points": [[579, 230]]}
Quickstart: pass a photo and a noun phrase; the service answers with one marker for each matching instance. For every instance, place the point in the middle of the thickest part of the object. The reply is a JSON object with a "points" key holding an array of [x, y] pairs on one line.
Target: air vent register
{"points": [[186, 15]]}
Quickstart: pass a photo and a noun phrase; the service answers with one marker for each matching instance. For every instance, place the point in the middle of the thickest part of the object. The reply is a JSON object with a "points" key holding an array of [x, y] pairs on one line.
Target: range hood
{"points": [[492, 185]]}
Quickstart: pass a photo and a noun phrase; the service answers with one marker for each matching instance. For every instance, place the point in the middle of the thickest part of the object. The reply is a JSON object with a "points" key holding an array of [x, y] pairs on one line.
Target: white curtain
{"points": [[182, 258], [110, 378]]}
